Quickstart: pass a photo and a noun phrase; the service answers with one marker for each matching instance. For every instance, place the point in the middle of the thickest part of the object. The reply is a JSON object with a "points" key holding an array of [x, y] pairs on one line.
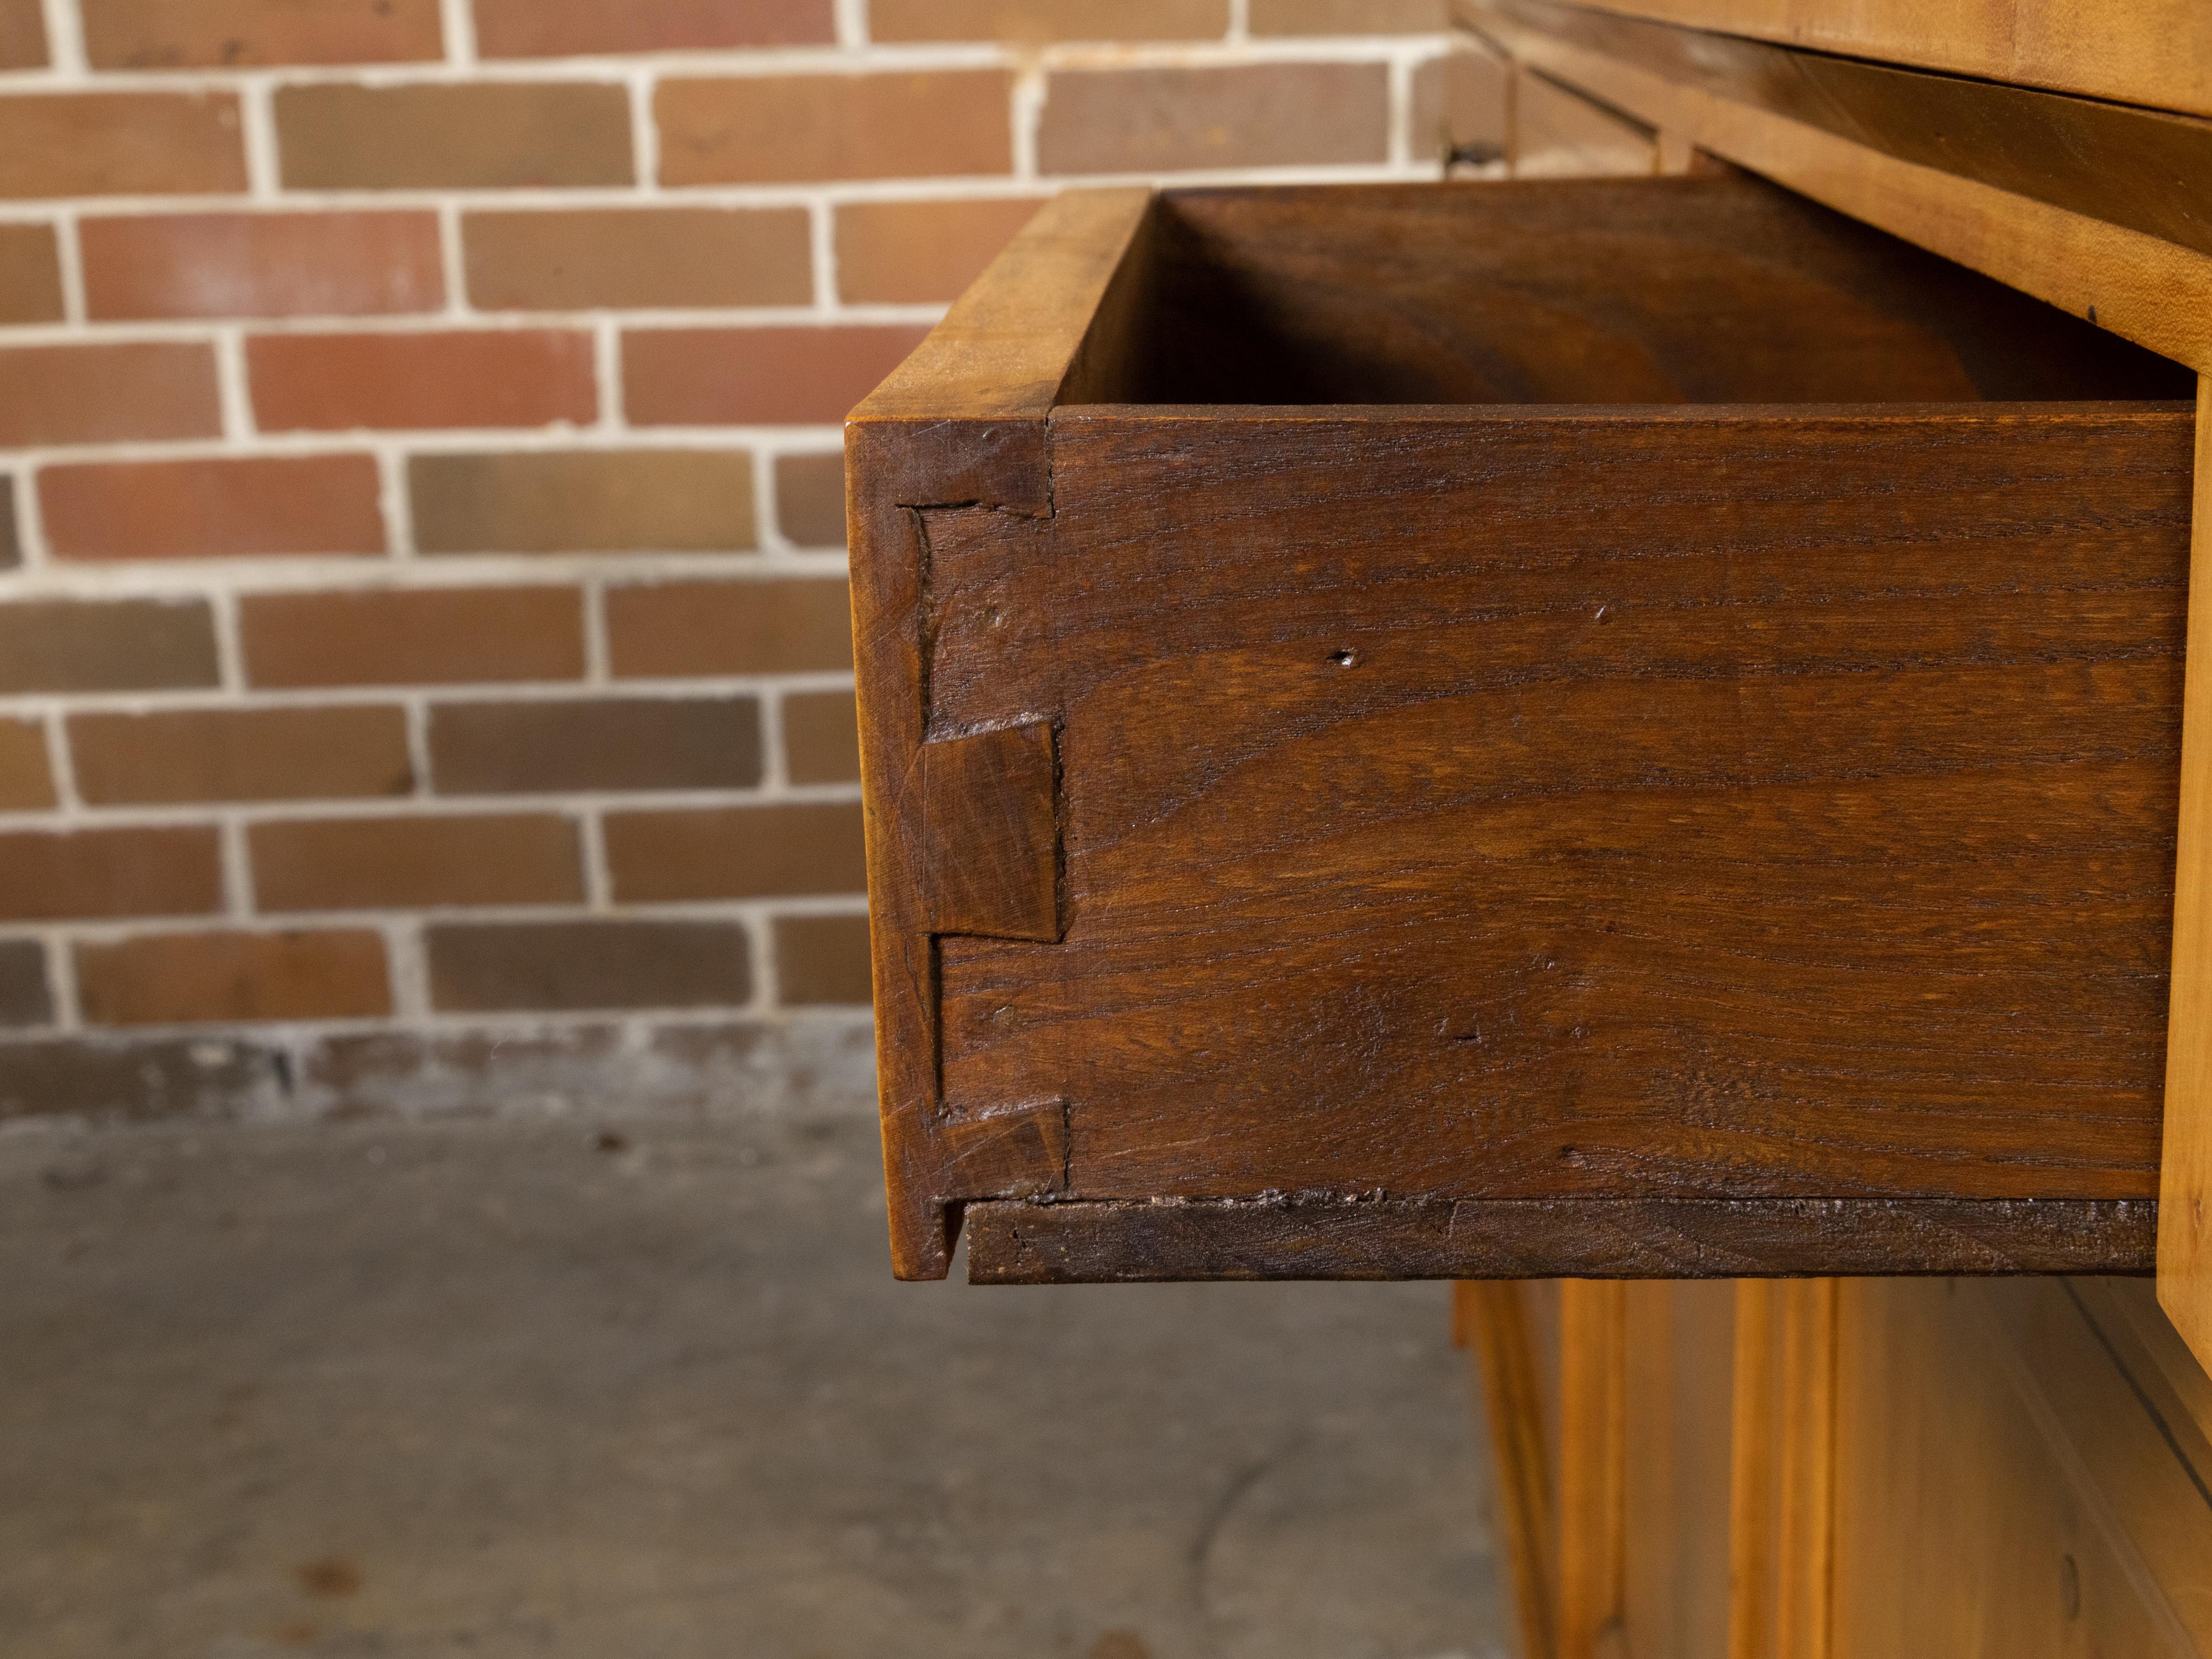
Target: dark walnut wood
{"points": [[1676, 796]]}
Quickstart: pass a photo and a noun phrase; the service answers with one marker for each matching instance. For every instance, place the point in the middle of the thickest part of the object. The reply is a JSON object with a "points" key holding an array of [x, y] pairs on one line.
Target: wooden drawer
{"points": [[1597, 728]]}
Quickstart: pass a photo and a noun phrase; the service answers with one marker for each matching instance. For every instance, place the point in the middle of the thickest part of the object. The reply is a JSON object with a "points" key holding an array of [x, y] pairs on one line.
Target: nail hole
{"points": [[1345, 658]]}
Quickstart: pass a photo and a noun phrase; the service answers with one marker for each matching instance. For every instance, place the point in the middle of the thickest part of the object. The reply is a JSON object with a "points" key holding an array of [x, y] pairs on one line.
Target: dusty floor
{"points": [[498, 1389]]}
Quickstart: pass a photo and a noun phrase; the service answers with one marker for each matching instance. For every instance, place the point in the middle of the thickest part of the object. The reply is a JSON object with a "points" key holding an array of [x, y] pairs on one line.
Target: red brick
{"points": [[796, 128], [586, 500], [393, 382], [261, 265], [573, 29], [580, 258], [1349, 16], [922, 252], [95, 645], [109, 873], [605, 742], [23, 997], [588, 965], [158, 34], [810, 499], [1027, 21], [189, 979], [98, 394], [821, 737], [676, 629], [1252, 115], [474, 136], [744, 852], [822, 960], [293, 504], [30, 275], [239, 754], [22, 34], [756, 376], [26, 783], [425, 636], [413, 863], [120, 143]]}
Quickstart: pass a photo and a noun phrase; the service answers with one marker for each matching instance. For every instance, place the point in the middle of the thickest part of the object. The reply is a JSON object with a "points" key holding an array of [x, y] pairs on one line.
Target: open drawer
{"points": [[1598, 728]]}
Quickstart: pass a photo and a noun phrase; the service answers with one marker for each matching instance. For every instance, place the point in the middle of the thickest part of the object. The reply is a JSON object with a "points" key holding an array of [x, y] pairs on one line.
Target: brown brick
{"points": [[192, 979], [409, 863], [95, 645], [261, 265], [630, 257], [99, 394], [30, 275], [478, 136], [1253, 115], [395, 382], [1028, 20], [821, 960], [209, 508], [573, 29], [120, 143], [109, 873], [23, 997], [921, 253], [698, 501], [158, 34], [22, 34], [1459, 106], [11, 550], [675, 630], [756, 376], [104, 1079], [589, 964], [239, 754], [423, 637], [743, 852], [1350, 16], [821, 737], [810, 499], [796, 128], [26, 783], [605, 742]]}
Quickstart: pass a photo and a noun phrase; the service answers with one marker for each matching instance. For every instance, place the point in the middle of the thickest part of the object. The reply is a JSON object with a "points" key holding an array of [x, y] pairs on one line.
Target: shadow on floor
{"points": [[506, 1389]]}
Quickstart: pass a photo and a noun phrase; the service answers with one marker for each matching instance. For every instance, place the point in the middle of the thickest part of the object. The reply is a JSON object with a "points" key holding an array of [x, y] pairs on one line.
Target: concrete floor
{"points": [[648, 1392]]}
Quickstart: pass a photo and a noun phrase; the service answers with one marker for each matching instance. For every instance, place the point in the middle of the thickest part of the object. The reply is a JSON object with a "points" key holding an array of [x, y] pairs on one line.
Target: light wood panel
{"points": [[1496, 1318], [1559, 134], [2184, 1220], [2149, 289], [2157, 53], [1782, 1511], [1593, 1469]]}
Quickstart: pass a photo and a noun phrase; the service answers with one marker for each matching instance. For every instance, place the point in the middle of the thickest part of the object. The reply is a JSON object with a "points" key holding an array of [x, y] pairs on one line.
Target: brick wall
{"points": [[423, 667]]}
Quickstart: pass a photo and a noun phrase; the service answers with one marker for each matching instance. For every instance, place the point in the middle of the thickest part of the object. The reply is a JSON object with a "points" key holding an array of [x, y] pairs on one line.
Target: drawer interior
{"points": [[1679, 291]]}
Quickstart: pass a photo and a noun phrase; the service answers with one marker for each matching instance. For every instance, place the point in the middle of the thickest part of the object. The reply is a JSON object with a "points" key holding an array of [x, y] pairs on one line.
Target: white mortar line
{"points": [[453, 269], [264, 179], [644, 131], [851, 17], [407, 971], [68, 252], [61, 763], [598, 654], [65, 39], [417, 714], [60, 981], [234, 396], [458, 24], [237, 868], [705, 688]]}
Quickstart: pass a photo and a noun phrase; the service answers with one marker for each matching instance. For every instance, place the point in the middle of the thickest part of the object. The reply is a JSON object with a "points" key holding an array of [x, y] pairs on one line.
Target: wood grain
{"points": [[1495, 1319], [1594, 1364], [2075, 183], [1722, 798], [1090, 1241], [2184, 1237], [963, 421], [1558, 133], [2158, 54]]}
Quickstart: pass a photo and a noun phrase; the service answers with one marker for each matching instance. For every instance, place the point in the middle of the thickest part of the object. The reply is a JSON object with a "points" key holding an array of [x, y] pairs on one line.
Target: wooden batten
{"points": [[2185, 1230]]}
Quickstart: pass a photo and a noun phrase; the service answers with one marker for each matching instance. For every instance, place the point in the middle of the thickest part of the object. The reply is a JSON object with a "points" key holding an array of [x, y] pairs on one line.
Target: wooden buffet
{"points": [[1623, 740]]}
